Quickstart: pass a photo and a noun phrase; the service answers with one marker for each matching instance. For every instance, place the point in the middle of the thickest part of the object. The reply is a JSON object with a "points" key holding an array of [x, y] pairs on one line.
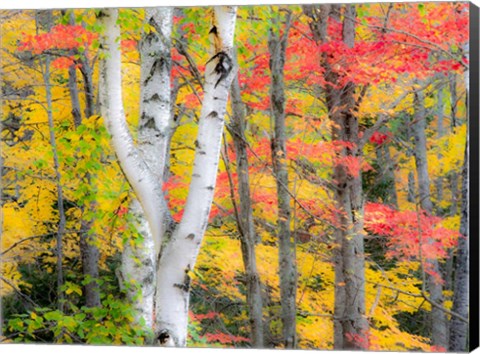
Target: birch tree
{"points": [[172, 248]]}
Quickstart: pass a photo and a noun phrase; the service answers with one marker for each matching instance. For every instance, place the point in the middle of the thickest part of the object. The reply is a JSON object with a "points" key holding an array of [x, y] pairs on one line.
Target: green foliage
{"points": [[113, 322]]}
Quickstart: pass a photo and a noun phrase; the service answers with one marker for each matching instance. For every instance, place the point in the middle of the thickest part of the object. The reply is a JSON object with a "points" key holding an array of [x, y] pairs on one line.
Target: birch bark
{"points": [[144, 168], [139, 259], [179, 255]]}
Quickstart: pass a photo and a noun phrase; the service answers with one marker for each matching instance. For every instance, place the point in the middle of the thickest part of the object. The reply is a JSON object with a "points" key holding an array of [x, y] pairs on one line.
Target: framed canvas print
{"points": [[259, 176]]}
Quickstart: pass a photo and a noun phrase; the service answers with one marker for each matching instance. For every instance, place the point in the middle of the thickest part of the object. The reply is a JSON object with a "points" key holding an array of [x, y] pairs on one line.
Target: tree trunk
{"points": [[454, 191], [440, 133], [438, 319], [411, 187], [390, 176], [458, 336], [138, 268], [139, 259], [287, 264], [74, 100], [453, 99], [176, 255], [350, 323], [387, 175], [89, 252], [245, 219], [61, 211], [459, 329]]}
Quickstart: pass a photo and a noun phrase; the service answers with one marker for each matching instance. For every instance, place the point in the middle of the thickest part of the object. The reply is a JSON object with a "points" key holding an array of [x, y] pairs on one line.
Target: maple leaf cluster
{"points": [[379, 138], [387, 52], [411, 234], [60, 38]]}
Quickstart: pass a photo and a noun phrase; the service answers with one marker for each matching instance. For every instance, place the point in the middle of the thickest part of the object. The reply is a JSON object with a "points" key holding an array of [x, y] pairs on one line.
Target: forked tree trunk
{"points": [[277, 46], [438, 320], [176, 255], [350, 323], [154, 132], [245, 219]]}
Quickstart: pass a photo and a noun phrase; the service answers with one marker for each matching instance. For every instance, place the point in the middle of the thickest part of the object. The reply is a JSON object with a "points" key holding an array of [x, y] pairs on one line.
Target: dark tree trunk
{"points": [[387, 175], [245, 219], [288, 283], [438, 319], [45, 18], [90, 256], [89, 253], [454, 192], [74, 100], [453, 99]]}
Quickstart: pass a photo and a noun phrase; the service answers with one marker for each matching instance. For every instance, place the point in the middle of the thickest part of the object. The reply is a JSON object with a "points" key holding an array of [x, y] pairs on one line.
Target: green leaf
{"points": [[53, 315]]}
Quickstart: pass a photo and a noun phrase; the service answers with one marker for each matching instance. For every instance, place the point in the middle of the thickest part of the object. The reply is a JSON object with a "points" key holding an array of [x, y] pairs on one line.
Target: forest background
{"points": [[266, 154]]}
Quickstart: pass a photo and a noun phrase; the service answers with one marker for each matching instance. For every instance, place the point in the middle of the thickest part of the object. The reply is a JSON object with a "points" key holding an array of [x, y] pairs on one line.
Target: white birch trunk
{"points": [[144, 167], [139, 259], [138, 268], [147, 188], [179, 256]]}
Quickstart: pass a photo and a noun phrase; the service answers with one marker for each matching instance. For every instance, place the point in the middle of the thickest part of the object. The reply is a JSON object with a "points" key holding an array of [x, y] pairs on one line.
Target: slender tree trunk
{"points": [[453, 99], [454, 192], [74, 100], [390, 176], [440, 133], [459, 329], [387, 174], [56, 166], [458, 337], [245, 218], [287, 264], [438, 318], [89, 252]]}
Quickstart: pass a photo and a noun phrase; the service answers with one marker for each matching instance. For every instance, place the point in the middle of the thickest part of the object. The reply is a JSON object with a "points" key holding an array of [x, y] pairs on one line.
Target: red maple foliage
{"points": [[410, 234], [60, 37], [225, 338]]}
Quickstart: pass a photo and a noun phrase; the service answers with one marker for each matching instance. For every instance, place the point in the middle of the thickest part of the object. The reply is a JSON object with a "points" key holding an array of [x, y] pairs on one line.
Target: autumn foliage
{"points": [[398, 48]]}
